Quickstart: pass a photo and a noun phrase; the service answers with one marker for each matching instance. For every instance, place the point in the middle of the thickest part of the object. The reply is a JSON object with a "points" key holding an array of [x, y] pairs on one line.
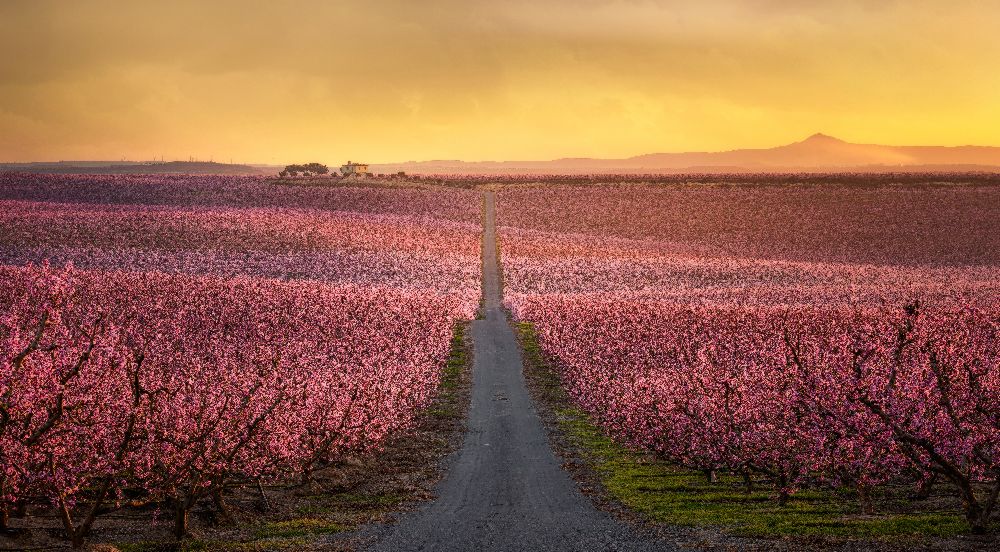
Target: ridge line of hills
{"points": [[817, 153]]}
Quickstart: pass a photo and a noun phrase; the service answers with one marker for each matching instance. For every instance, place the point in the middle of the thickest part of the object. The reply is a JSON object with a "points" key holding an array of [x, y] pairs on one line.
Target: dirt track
{"points": [[505, 489]]}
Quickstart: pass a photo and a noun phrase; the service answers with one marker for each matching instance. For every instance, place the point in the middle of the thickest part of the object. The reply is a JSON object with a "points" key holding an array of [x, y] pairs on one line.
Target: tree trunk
{"points": [[925, 487], [220, 504], [265, 504], [4, 517], [976, 517], [865, 497], [975, 513], [181, 519], [88, 521], [711, 476], [75, 538], [747, 481], [985, 510], [20, 508], [782, 490]]}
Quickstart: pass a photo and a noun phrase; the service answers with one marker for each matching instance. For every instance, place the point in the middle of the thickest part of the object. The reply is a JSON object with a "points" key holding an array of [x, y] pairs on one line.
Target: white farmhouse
{"points": [[354, 168]]}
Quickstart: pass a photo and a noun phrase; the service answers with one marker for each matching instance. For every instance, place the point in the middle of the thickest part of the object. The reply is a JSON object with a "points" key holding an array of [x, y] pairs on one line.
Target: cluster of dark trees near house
{"points": [[308, 169]]}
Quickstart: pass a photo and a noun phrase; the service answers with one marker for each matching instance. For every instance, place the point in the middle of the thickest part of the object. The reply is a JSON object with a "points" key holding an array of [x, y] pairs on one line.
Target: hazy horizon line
{"points": [[223, 161]]}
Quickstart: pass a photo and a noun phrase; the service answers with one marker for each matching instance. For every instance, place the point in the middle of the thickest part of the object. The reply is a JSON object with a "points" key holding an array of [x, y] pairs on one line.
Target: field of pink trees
{"points": [[164, 337], [804, 336]]}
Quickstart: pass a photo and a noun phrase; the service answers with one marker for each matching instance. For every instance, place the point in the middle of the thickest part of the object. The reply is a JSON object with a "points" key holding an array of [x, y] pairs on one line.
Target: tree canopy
{"points": [[308, 169]]}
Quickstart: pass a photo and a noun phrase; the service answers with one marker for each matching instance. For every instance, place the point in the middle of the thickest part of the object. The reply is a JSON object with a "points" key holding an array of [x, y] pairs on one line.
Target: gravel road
{"points": [[505, 489]]}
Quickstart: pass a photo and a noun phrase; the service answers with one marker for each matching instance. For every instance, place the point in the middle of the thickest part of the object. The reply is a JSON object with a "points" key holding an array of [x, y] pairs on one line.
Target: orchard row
{"points": [[165, 338], [729, 329]]}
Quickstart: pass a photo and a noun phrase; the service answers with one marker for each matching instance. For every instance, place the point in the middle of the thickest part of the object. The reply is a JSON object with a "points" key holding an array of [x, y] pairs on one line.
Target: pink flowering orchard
{"points": [[696, 324], [167, 339], [452, 276], [158, 352]]}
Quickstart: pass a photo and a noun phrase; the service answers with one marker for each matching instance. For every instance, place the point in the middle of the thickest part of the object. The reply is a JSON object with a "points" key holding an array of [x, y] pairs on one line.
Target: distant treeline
{"points": [[308, 169]]}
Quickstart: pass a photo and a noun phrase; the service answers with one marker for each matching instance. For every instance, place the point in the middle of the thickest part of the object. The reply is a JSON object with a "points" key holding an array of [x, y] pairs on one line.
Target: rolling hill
{"points": [[817, 153]]}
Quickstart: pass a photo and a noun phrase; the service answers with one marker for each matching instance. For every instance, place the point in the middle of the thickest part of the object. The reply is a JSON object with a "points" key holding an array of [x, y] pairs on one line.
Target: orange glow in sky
{"points": [[276, 82]]}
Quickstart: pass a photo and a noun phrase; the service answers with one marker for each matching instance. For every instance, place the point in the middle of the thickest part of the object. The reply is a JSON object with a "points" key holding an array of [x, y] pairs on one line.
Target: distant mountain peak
{"points": [[819, 137]]}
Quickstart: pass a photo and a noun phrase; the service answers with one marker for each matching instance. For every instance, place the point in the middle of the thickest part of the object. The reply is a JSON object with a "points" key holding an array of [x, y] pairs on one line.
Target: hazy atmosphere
{"points": [[268, 82], [452, 276]]}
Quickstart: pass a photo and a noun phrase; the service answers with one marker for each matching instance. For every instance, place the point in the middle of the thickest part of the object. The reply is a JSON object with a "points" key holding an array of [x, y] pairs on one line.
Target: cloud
{"points": [[386, 80]]}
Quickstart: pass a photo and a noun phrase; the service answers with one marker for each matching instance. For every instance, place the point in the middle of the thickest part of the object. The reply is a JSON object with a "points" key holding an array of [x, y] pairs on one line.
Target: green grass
{"points": [[451, 378], [293, 534], [299, 527], [677, 496]]}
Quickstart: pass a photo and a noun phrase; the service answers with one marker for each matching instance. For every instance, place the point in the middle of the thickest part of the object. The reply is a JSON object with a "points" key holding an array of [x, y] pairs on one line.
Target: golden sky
{"points": [[396, 80]]}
